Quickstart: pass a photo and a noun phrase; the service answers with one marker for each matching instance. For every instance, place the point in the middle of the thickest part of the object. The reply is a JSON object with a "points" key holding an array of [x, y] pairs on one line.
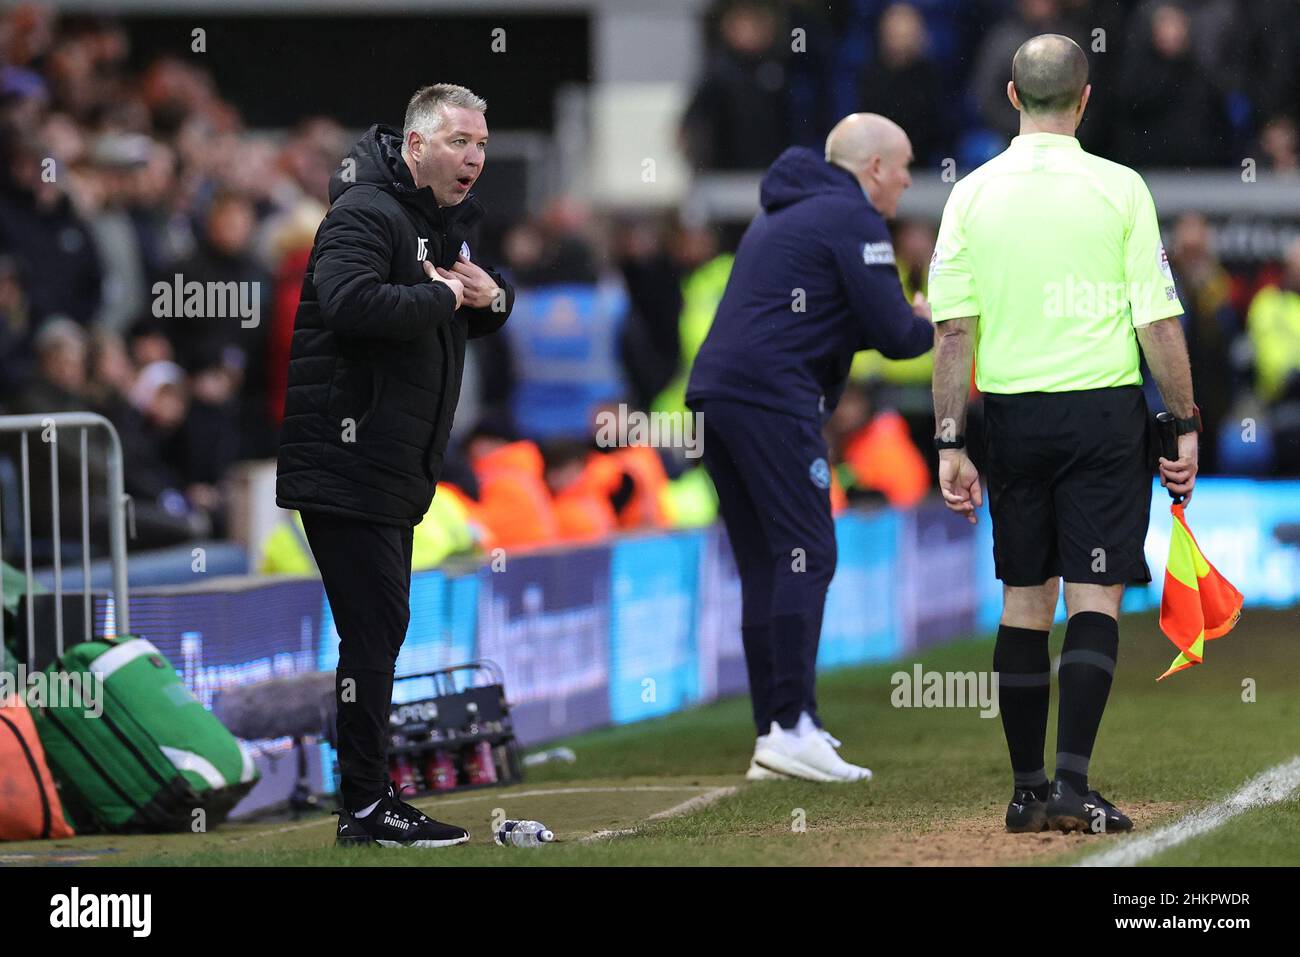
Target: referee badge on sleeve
{"points": [[1164, 265], [936, 261], [1171, 291]]}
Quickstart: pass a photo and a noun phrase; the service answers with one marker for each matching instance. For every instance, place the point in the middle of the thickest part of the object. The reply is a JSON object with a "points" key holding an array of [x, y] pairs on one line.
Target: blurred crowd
{"points": [[113, 179], [115, 176], [1193, 83], [1176, 83]]}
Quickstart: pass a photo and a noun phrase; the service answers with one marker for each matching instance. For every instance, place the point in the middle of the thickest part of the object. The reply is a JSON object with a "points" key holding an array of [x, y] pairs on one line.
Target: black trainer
{"points": [[394, 823], [1068, 810], [1026, 813]]}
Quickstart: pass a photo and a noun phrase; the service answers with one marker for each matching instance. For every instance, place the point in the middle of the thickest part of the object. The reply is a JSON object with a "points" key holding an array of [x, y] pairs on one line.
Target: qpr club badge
{"points": [[820, 473]]}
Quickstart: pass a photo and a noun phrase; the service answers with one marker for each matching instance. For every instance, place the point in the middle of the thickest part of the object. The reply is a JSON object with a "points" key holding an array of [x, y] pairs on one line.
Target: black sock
{"points": [[1024, 688], [1086, 669]]}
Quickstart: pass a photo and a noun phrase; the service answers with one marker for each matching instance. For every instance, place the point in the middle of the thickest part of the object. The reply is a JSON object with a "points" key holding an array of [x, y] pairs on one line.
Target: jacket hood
{"points": [[376, 160], [800, 173]]}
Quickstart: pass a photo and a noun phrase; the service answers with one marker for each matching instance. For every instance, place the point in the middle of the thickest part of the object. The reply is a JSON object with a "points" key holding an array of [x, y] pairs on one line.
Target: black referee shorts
{"points": [[1069, 485]]}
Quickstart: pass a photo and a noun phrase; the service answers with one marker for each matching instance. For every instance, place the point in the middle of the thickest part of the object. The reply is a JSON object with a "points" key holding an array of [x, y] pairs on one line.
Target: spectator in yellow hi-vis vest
{"points": [[1273, 324], [445, 530]]}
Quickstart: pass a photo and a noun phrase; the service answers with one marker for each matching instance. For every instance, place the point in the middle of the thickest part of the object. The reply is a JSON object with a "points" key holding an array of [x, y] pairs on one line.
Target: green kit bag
{"points": [[131, 747]]}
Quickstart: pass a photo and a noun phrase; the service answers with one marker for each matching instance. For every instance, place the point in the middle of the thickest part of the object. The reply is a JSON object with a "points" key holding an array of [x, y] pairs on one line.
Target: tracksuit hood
{"points": [[799, 173]]}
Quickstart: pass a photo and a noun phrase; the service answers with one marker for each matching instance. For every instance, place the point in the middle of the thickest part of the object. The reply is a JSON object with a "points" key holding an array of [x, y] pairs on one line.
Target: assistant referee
{"points": [[1049, 270]]}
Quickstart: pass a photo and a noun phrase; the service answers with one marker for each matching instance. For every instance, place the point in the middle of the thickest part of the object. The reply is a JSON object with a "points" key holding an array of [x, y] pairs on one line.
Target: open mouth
{"points": [[464, 182]]}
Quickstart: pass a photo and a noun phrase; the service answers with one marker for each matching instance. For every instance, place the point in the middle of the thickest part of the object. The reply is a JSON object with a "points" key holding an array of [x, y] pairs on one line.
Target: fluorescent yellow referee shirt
{"points": [[1058, 252]]}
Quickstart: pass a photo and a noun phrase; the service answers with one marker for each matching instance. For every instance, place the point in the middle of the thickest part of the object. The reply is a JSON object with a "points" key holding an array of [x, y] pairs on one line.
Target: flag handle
{"points": [[1168, 432]]}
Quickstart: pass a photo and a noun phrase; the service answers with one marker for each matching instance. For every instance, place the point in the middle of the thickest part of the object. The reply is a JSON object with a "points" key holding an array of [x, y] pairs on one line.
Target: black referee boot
{"points": [[1026, 814], [1068, 810], [394, 823]]}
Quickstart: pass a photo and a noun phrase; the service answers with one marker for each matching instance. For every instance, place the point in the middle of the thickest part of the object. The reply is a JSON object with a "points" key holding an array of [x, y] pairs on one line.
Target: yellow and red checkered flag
{"points": [[1198, 603]]}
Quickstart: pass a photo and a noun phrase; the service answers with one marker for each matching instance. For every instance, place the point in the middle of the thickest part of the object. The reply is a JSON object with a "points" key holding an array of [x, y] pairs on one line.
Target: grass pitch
{"points": [[671, 791]]}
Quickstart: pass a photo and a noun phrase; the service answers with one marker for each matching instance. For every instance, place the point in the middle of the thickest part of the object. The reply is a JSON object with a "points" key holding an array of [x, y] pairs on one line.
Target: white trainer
{"points": [[756, 771], [806, 755], [806, 726]]}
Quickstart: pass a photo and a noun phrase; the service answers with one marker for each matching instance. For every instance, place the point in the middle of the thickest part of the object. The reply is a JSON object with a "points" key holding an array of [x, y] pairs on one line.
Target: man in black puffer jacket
{"points": [[390, 296]]}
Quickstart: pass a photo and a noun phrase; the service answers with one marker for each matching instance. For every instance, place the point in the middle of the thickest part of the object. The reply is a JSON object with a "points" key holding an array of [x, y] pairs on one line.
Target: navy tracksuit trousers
{"points": [[773, 483]]}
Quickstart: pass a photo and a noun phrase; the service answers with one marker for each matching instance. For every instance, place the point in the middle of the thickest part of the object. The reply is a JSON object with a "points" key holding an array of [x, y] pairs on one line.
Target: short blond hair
{"points": [[424, 111]]}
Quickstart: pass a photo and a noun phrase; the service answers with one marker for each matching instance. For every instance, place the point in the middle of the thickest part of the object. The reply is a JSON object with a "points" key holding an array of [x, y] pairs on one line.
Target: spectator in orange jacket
{"points": [[514, 502], [582, 484], [874, 452], [641, 502]]}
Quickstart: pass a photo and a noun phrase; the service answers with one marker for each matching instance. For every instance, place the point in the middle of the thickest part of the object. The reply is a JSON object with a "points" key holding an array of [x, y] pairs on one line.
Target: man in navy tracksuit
{"points": [[814, 282]]}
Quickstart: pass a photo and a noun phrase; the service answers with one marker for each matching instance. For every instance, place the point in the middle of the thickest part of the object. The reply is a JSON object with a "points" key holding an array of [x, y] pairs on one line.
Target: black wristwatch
{"points": [[957, 443], [1190, 424]]}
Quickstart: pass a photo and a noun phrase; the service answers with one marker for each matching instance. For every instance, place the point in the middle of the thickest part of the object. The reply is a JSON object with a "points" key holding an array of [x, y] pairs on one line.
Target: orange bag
{"points": [[29, 804]]}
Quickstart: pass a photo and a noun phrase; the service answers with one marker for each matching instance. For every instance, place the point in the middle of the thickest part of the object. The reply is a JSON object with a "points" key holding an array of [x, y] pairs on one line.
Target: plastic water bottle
{"points": [[564, 755], [523, 834]]}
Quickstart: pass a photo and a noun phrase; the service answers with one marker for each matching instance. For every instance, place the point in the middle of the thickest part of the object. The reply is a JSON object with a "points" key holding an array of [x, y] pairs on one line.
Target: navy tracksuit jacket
{"points": [[814, 281]]}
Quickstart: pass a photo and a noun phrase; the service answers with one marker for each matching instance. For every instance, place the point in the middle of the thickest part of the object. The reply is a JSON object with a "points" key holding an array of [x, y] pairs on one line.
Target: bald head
{"points": [[877, 152], [1049, 73], [860, 136]]}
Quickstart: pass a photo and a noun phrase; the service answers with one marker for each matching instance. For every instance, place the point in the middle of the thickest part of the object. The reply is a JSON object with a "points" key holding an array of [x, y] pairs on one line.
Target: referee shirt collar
{"points": [[1046, 139]]}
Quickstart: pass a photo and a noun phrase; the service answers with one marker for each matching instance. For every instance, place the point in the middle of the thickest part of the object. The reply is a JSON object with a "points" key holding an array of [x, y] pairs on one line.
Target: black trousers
{"points": [[366, 569], [773, 485]]}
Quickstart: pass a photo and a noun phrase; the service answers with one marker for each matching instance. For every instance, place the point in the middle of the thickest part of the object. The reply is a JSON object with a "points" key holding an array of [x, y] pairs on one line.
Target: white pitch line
{"points": [[1274, 785], [686, 807], [482, 796]]}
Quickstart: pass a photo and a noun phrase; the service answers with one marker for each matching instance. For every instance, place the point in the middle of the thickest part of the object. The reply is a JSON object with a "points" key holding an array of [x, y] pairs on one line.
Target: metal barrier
{"points": [[118, 501]]}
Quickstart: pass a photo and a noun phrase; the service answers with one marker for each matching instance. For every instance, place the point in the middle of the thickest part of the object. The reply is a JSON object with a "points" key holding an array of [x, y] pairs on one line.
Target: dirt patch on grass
{"points": [[976, 841]]}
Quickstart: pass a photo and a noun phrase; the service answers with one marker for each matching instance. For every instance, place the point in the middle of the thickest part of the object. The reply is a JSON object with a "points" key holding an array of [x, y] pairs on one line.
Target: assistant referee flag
{"points": [[1198, 603]]}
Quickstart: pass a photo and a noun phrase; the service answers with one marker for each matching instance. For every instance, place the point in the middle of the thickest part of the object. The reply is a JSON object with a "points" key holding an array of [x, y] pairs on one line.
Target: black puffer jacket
{"points": [[378, 349]]}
